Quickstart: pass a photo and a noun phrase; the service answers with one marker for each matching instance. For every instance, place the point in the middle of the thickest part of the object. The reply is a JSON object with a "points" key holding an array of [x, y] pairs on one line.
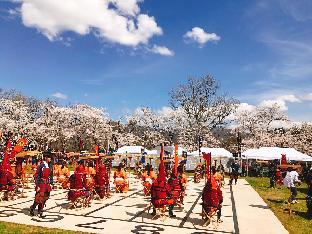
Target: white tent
{"points": [[151, 152], [126, 151], [249, 152], [129, 150], [219, 154], [215, 152], [170, 149], [271, 153]]}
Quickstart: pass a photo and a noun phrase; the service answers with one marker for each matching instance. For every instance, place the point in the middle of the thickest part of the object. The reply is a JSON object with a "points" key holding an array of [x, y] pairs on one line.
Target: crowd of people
{"points": [[89, 178]]}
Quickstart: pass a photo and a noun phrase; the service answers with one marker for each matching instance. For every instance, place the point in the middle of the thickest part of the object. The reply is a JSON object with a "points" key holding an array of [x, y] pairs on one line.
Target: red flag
{"points": [[207, 157], [283, 160], [176, 159], [161, 171], [6, 157]]}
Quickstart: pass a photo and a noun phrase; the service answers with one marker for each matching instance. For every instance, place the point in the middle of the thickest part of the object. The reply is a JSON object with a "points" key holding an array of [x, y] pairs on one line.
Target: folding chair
{"points": [[82, 201], [118, 188], [209, 217], [6, 193], [160, 212]]}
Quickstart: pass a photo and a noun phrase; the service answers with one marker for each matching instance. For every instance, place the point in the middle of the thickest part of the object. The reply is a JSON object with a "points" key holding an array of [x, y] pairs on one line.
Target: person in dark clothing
{"points": [[234, 172]]}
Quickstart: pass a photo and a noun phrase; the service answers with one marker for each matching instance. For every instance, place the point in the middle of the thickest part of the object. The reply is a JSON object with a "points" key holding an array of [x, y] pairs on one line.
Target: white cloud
{"points": [[299, 10], [243, 107], [289, 98], [201, 37], [270, 103], [162, 50], [295, 57], [307, 97], [60, 95], [281, 101], [117, 21]]}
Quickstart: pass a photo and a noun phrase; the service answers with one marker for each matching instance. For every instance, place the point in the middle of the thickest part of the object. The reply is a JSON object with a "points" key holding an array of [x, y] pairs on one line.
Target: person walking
{"points": [[290, 181], [44, 184], [234, 172]]}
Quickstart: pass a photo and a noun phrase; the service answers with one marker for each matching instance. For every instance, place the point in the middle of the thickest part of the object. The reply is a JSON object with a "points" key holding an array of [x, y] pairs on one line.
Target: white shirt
{"points": [[291, 178]]}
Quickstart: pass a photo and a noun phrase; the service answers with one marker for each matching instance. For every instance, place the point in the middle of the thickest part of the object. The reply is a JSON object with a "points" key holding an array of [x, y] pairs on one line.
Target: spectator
{"points": [[290, 180], [234, 172]]}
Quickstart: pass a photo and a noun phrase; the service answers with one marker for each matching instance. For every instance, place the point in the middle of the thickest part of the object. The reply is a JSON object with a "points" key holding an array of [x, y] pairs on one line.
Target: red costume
{"points": [[7, 181], [176, 187], [279, 177], [212, 196], [43, 180], [160, 191], [78, 184], [101, 180], [161, 194]]}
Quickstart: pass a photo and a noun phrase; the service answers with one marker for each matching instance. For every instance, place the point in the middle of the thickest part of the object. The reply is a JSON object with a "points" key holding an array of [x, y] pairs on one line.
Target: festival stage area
{"points": [[243, 212]]}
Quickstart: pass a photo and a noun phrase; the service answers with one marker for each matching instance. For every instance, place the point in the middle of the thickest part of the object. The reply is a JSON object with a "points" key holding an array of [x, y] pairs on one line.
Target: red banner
{"points": [[283, 159], [5, 161], [176, 158], [162, 172], [207, 157]]}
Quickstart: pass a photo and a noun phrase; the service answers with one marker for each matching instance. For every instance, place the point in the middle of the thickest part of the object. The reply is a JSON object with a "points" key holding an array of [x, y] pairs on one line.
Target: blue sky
{"points": [[258, 50]]}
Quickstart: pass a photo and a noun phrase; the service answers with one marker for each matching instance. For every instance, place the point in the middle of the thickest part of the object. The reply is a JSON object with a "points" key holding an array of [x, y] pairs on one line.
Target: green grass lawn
{"points": [[19, 228], [299, 222]]}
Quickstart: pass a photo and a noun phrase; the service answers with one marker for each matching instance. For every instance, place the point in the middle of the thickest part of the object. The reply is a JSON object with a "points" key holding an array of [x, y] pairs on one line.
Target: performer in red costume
{"points": [[212, 195], [44, 184], [7, 182], [101, 181], [176, 187], [160, 191], [78, 184]]}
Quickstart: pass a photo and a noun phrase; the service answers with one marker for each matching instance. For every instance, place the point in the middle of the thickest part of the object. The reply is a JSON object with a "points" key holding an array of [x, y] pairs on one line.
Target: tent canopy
{"points": [[215, 152], [271, 153], [170, 149], [135, 150], [151, 152], [129, 150]]}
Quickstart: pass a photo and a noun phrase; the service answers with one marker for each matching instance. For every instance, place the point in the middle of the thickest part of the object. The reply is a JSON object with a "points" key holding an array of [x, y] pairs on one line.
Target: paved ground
{"points": [[243, 212]]}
